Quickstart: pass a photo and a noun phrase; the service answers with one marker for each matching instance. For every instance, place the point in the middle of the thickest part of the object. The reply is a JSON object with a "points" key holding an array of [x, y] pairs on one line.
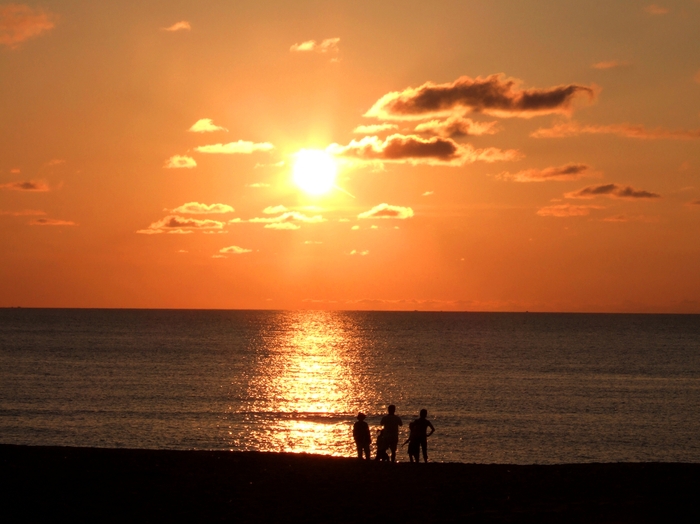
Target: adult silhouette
{"points": [[362, 436], [391, 423], [421, 426]]}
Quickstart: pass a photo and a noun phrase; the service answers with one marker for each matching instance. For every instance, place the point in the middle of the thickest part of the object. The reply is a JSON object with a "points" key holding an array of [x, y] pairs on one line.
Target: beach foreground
{"points": [[117, 485]]}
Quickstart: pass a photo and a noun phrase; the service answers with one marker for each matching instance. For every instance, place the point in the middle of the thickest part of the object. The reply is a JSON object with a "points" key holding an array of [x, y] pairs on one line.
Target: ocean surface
{"points": [[499, 387]]}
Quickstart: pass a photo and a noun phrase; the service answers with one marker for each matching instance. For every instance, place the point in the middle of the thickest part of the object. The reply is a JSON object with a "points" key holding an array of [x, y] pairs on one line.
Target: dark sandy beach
{"points": [[118, 485]]}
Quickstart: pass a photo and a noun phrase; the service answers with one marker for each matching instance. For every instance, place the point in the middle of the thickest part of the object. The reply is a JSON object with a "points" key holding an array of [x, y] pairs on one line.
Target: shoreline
{"points": [[115, 485]]}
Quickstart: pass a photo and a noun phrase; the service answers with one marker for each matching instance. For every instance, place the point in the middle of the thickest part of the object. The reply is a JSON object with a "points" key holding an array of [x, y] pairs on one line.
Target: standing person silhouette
{"points": [[421, 425], [362, 436], [391, 423]]}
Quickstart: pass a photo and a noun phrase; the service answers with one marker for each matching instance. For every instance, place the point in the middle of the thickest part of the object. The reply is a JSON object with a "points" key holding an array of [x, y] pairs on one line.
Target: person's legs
{"points": [[424, 447], [392, 447], [366, 450], [359, 450]]}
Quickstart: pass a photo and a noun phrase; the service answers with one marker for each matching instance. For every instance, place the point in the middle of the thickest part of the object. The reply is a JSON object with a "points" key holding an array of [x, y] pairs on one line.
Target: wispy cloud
{"points": [[325, 46], [273, 210], [495, 95], [457, 126], [374, 128], [571, 171], [234, 250], [360, 253], [176, 224], [51, 222], [282, 226], [183, 25], [258, 184], [197, 208], [568, 129], [385, 210], [428, 193], [566, 210], [180, 162], [23, 213], [288, 217], [29, 185], [235, 148], [612, 191], [654, 9], [20, 22], [610, 64], [627, 218], [414, 149], [205, 125]]}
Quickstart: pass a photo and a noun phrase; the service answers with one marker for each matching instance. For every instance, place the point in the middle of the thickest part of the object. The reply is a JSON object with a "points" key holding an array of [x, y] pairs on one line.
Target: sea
{"points": [[518, 388]]}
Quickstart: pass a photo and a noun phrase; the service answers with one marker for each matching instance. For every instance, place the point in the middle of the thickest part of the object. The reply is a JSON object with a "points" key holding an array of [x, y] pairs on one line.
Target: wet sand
{"points": [[118, 485]]}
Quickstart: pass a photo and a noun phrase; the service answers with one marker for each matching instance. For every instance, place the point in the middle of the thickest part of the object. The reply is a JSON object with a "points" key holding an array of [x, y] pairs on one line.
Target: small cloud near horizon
{"points": [[20, 22], [51, 222], [235, 148], [180, 162], [571, 171], [496, 95], [197, 208], [385, 210], [610, 64], [325, 46], [235, 250], [23, 213], [29, 185], [569, 129], [374, 128], [205, 125], [176, 224], [611, 191], [457, 126], [183, 25]]}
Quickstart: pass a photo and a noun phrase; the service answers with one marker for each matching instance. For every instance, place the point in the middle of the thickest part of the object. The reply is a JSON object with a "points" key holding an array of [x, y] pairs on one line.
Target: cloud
{"points": [[694, 203], [609, 64], [571, 171], [282, 226], [612, 191], [273, 210], [23, 213], [289, 217], [51, 222], [494, 95], [180, 161], [184, 25], [625, 218], [387, 211], [359, 253], [233, 148], [29, 185], [627, 130], [566, 210], [182, 225], [20, 22], [374, 128], [417, 150], [325, 46], [275, 164], [457, 126], [258, 184], [428, 193], [197, 208], [234, 250], [654, 9], [205, 125]]}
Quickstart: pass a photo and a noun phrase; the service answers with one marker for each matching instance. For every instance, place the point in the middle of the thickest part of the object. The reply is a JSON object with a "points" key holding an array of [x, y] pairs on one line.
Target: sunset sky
{"points": [[488, 155]]}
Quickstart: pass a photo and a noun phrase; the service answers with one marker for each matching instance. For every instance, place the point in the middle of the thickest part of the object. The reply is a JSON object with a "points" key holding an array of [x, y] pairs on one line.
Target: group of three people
{"points": [[388, 437]]}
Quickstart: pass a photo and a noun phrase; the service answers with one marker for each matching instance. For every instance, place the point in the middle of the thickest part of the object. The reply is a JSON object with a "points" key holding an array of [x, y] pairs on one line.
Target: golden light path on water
{"points": [[308, 384]]}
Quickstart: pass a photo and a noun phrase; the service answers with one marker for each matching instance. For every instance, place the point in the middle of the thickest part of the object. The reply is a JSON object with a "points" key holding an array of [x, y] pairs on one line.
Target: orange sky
{"points": [[490, 155]]}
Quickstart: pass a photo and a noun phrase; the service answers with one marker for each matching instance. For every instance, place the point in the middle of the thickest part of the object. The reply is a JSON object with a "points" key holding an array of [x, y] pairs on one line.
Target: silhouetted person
{"points": [[362, 436], [413, 442], [391, 423], [422, 424], [382, 446]]}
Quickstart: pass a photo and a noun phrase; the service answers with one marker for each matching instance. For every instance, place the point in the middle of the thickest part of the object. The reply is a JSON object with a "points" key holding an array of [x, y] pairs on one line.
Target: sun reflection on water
{"points": [[309, 381]]}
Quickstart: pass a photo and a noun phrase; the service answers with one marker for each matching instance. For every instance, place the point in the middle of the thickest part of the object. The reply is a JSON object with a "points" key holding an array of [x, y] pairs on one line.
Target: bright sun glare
{"points": [[314, 171]]}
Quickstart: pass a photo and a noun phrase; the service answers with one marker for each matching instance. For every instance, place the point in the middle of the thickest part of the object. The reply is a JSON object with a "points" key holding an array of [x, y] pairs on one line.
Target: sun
{"points": [[314, 171]]}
